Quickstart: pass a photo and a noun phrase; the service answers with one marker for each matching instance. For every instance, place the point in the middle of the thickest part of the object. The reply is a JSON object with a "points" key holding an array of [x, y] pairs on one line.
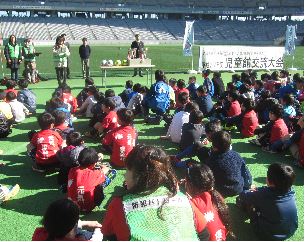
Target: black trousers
{"points": [[61, 75]]}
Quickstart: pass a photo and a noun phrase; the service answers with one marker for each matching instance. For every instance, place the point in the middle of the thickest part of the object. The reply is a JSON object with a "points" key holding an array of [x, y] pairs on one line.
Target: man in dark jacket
{"points": [[84, 53], [138, 47]]}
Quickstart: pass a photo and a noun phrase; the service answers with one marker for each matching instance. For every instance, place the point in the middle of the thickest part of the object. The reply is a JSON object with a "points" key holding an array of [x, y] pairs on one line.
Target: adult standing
{"points": [[137, 46], [60, 57], [12, 52], [28, 53], [66, 43], [84, 54]]}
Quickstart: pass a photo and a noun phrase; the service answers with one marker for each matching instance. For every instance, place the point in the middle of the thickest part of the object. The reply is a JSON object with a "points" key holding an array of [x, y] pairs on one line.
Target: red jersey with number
{"points": [[110, 122], [81, 186], [47, 143], [122, 140], [214, 224], [234, 109], [67, 98]]}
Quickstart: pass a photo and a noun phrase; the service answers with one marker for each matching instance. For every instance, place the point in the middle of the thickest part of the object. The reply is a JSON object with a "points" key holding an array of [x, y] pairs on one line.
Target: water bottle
{"points": [[109, 177]]}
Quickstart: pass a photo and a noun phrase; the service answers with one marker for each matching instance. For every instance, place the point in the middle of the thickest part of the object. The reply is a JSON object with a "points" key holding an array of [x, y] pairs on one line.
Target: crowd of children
{"points": [[205, 116]]}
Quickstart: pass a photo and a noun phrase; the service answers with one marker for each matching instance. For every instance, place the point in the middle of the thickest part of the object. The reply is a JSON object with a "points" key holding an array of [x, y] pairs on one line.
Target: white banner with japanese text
{"points": [[228, 57]]}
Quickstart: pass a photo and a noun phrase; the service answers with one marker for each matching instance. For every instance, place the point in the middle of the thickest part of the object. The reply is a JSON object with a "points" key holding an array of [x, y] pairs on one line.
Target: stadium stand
{"points": [[116, 23], [150, 29]]}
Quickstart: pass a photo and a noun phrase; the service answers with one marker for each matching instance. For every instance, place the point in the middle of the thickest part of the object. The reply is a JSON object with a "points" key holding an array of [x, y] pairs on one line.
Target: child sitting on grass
{"points": [[61, 223], [110, 121], [193, 130], [83, 94], [174, 131], [272, 208], [271, 135], [192, 87], [68, 157], [198, 149], [57, 104], [229, 168], [60, 124], [247, 121], [125, 95], [200, 185], [45, 144], [26, 96], [18, 109], [86, 107], [85, 182], [5, 108], [10, 87], [135, 102], [204, 100], [68, 99], [180, 89], [120, 141]]}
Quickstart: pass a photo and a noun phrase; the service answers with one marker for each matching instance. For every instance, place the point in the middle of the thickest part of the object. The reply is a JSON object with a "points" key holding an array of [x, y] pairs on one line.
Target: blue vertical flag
{"points": [[290, 39], [188, 40]]}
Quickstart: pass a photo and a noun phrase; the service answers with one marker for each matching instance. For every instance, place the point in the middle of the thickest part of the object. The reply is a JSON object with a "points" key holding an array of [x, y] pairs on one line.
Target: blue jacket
{"points": [[209, 85], [28, 98], [158, 97], [276, 214], [205, 104], [227, 168], [192, 89]]}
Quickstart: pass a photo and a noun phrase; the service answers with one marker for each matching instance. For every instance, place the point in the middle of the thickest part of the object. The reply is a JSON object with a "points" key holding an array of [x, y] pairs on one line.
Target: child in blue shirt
{"points": [[26, 96], [272, 208]]}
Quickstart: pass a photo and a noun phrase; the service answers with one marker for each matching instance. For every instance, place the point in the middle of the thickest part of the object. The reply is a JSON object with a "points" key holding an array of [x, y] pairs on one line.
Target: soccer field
{"points": [[166, 57], [20, 216]]}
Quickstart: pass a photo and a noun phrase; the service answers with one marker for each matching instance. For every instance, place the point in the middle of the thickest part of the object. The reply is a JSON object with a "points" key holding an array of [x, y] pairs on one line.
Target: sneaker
{"points": [[38, 168], [267, 149], [255, 142], [7, 193]]}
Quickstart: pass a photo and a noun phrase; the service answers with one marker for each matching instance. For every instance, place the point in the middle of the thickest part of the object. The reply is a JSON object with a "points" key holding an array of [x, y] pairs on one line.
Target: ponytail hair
{"points": [[200, 179], [152, 168]]}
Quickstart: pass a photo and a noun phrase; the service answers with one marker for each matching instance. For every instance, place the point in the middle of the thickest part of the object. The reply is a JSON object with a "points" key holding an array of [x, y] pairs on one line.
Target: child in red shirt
{"points": [[247, 121], [200, 185], [110, 121], [85, 183], [45, 144], [234, 108], [60, 124], [10, 87], [181, 87], [68, 99], [122, 139], [271, 135], [61, 223]]}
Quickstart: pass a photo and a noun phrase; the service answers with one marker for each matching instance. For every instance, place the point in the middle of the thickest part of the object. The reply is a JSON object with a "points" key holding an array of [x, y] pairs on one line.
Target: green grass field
{"points": [[21, 215]]}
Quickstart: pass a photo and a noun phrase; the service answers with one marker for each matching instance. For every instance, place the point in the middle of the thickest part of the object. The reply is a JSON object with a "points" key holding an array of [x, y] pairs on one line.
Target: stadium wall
{"points": [[159, 42]]}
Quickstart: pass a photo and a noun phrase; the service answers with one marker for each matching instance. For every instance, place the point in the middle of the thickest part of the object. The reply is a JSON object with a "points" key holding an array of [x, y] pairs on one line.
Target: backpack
{"points": [[5, 128]]}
